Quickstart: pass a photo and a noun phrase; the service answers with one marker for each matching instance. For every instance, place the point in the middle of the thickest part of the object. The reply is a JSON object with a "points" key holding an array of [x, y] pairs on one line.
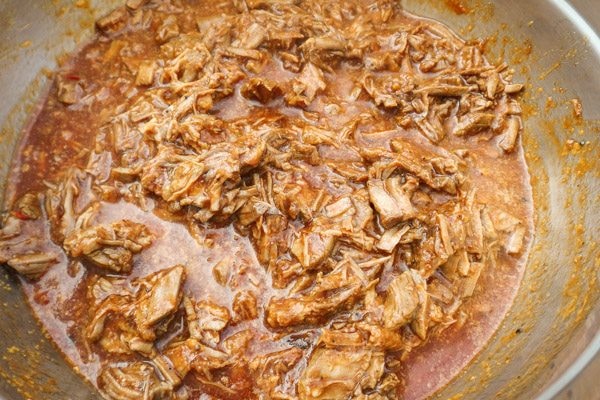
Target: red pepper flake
{"points": [[72, 77], [20, 215], [41, 297]]}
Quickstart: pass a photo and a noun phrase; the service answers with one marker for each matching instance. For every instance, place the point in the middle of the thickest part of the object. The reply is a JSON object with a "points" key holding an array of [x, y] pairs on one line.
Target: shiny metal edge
{"points": [[575, 372], [590, 357]]}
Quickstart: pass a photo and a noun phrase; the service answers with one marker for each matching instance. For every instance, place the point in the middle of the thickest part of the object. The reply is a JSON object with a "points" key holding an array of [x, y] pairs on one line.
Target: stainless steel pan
{"points": [[548, 345]]}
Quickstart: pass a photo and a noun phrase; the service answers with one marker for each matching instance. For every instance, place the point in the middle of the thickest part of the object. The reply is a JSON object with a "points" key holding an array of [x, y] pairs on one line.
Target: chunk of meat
{"points": [[69, 92], [124, 322], [271, 367], [391, 237], [503, 221], [513, 88], [270, 236], [11, 227], [187, 355], [145, 73], [134, 381], [364, 213], [312, 247], [253, 36], [297, 197], [514, 244], [24, 244], [236, 344], [468, 284], [431, 127], [222, 271], [68, 199], [261, 89], [135, 4], [404, 295], [160, 295], [324, 43], [365, 335], [508, 140], [254, 209], [381, 338], [252, 152], [474, 233], [489, 229], [112, 22], [168, 29], [171, 175], [339, 374], [28, 207], [32, 265], [109, 246], [438, 169], [335, 291], [206, 320], [339, 207], [188, 64], [444, 90], [201, 181], [391, 201], [245, 306], [388, 91], [473, 123], [422, 318], [305, 88], [457, 264]]}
